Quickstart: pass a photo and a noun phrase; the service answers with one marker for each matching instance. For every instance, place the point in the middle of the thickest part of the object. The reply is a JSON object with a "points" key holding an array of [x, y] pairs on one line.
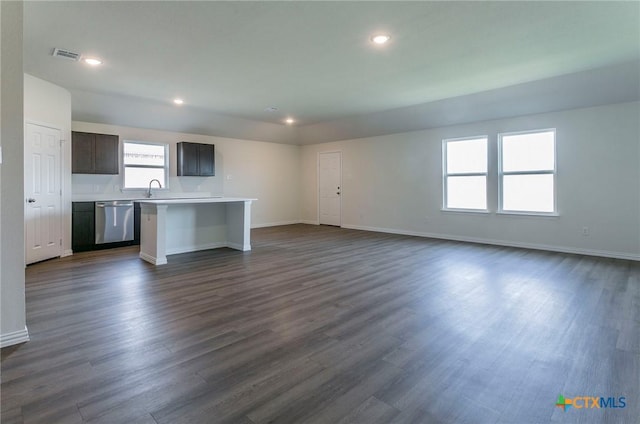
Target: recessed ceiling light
{"points": [[290, 121], [178, 101], [380, 38], [92, 61]]}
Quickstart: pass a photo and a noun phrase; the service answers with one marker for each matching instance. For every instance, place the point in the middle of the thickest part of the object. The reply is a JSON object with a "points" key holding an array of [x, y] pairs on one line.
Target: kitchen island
{"points": [[171, 226]]}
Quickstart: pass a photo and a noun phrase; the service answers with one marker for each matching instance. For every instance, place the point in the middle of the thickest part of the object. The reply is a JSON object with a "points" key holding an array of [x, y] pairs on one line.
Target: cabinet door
{"points": [[83, 226], [206, 160], [187, 159], [82, 153], [106, 151]]}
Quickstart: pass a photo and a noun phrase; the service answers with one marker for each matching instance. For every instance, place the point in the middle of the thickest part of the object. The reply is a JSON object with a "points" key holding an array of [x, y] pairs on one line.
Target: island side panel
{"points": [[195, 226], [239, 225], [153, 234]]}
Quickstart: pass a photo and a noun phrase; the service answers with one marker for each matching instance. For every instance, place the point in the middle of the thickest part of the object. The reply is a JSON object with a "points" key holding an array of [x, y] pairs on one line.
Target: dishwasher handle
{"points": [[113, 205]]}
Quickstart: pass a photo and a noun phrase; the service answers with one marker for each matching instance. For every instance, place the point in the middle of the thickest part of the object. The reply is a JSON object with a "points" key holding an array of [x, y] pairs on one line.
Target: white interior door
{"points": [[42, 193], [330, 181]]}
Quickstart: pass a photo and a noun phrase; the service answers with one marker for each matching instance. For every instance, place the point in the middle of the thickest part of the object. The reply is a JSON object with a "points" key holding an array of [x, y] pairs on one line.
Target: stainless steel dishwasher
{"points": [[114, 221]]}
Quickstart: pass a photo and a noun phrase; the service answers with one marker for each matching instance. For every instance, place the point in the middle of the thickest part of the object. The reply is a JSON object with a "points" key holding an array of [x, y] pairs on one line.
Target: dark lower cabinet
{"points": [[196, 159], [83, 233], [83, 229]]}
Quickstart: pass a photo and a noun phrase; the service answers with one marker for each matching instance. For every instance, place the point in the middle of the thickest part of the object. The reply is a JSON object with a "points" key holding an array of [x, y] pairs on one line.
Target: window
{"points": [[465, 174], [144, 162], [527, 172]]}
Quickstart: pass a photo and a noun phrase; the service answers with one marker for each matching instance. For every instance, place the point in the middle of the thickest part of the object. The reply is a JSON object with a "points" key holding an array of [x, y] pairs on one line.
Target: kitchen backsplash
{"points": [[109, 187]]}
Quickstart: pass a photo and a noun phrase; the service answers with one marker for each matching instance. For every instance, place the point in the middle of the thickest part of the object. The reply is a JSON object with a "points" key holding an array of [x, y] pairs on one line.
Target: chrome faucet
{"points": [[159, 186]]}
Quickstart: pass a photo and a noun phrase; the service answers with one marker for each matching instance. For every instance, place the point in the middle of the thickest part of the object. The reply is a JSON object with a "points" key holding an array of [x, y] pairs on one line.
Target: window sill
{"points": [[472, 211], [536, 214]]}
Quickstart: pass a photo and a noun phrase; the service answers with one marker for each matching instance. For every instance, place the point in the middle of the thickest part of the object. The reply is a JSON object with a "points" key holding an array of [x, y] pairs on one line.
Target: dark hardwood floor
{"points": [[326, 325]]}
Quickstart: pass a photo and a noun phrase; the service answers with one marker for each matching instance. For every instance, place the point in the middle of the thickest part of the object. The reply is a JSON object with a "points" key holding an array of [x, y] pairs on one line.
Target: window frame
{"points": [[446, 174], [165, 167], [502, 173]]}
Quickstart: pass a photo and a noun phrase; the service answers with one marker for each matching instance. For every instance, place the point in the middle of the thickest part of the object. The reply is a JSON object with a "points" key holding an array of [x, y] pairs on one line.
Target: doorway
{"points": [[330, 188], [43, 195]]}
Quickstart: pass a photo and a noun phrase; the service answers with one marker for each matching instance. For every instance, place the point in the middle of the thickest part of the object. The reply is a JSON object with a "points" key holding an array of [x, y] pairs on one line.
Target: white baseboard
{"points": [[15, 337], [275, 224], [238, 246], [67, 252], [186, 249], [309, 222], [535, 246], [183, 249], [152, 259]]}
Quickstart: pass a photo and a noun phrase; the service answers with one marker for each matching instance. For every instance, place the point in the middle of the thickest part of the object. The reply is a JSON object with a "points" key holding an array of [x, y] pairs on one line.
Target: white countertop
{"points": [[107, 197], [186, 201]]}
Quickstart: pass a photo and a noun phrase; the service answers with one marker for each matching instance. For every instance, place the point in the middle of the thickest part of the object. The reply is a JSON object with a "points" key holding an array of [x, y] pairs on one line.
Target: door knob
{"points": [[31, 200]]}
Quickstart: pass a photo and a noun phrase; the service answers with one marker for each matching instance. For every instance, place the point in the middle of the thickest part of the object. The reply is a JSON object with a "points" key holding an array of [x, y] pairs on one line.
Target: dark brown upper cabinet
{"points": [[94, 153], [196, 160]]}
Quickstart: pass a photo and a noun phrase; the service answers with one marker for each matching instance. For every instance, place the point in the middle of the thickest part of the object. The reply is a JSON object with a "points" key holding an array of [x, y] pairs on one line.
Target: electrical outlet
{"points": [[585, 231]]}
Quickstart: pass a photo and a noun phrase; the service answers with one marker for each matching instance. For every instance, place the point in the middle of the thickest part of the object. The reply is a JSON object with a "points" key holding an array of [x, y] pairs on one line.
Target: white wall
{"points": [[13, 327], [394, 183], [244, 168], [50, 105]]}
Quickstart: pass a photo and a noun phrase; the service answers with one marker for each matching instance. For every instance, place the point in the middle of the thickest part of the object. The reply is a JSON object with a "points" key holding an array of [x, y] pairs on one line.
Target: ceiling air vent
{"points": [[66, 54]]}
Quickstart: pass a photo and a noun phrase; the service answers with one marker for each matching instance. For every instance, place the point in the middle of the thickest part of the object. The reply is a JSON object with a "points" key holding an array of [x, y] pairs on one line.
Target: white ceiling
{"points": [[314, 61]]}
